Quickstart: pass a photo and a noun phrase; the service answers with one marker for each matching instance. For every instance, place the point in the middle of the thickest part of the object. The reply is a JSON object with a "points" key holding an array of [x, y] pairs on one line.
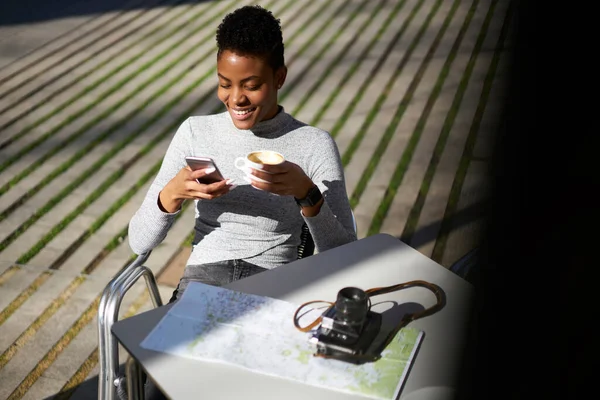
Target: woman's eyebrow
{"points": [[243, 80]]}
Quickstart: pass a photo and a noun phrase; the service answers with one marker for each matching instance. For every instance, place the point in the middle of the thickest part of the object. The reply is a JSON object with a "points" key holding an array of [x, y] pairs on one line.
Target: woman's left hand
{"points": [[286, 178]]}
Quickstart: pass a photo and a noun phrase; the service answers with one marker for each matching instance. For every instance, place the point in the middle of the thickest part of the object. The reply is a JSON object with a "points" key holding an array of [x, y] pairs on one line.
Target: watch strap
{"points": [[313, 196]]}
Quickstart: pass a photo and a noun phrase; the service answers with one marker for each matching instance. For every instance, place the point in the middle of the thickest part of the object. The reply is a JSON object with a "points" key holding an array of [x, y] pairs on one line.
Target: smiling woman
{"points": [[250, 67], [248, 88], [253, 219], [246, 228]]}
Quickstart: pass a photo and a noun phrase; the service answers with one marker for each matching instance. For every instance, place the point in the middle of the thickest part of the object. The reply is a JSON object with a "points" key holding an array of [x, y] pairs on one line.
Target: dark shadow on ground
{"points": [[87, 390], [28, 11], [462, 217]]}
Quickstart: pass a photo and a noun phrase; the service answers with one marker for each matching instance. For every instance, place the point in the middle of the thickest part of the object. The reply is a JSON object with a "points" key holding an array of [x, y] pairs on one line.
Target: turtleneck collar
{"points": [[267, 127]]}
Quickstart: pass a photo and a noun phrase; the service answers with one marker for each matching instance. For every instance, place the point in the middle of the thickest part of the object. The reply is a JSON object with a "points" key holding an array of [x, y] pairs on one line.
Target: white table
{"points": [[378, 260]]}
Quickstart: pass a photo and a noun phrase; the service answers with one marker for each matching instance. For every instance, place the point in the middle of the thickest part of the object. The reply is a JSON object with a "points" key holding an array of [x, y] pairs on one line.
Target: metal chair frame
{"points": [[108, 313]]}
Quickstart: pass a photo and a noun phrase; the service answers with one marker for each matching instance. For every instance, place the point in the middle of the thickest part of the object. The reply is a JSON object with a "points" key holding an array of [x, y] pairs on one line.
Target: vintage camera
{"points": [[348, 328]]}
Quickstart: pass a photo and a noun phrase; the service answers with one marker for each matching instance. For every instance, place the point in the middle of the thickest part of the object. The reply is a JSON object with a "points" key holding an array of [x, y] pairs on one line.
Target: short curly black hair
{"points": [[252, 30]]}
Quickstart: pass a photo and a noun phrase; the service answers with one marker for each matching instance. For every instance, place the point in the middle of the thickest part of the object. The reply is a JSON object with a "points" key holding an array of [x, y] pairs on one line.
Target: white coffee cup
{"points": [[257, 159]]}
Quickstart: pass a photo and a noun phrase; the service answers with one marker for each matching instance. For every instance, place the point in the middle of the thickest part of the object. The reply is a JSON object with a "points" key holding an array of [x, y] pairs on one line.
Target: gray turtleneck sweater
{"points": [[248, 223]]}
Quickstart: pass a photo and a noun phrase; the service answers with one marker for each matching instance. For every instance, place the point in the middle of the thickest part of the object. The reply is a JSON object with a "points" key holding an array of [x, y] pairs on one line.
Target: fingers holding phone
{"points": [[202, 184], [205, 171], [211, 171], [201, 179]]}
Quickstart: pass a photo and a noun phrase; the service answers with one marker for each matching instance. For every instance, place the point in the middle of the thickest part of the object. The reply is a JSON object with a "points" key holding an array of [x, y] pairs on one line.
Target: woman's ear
{"points": [[280, 76]]}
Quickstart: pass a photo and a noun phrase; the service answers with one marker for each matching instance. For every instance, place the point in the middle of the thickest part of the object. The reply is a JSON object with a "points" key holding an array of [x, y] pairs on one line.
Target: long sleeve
{"points": [[149, 225], [333, 225]]}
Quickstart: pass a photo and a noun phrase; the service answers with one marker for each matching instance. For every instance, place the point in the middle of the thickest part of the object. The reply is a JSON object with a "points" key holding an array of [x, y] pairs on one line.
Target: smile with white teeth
{"points": [[242, 112]]}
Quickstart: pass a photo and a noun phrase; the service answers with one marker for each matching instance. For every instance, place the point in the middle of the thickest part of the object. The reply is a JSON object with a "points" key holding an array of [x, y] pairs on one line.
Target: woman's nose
{"points": [[237, 96]]}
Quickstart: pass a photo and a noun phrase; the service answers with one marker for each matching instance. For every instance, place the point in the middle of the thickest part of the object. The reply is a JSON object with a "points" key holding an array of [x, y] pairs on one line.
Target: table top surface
{"points": [[375, 261]]}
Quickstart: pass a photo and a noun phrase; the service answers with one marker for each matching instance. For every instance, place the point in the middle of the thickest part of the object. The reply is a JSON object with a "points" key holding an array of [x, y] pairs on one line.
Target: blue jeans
{"points": [[215, 274]]}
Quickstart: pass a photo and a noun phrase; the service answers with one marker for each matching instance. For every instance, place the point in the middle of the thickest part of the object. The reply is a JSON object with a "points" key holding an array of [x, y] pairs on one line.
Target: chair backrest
{"points": [[307, 244]]}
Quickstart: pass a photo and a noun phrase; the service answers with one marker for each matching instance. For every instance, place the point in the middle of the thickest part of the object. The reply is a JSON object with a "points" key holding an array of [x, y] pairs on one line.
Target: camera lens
{"points": [[351, 305]]}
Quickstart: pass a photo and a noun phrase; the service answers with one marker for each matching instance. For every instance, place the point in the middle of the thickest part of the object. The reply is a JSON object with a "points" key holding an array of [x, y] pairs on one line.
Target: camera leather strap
{"points": [[437, 291], [316, 322]]}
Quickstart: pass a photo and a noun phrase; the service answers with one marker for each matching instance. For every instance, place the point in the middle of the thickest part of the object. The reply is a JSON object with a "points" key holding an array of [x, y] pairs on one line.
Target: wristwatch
{"points": [[312, 197]]}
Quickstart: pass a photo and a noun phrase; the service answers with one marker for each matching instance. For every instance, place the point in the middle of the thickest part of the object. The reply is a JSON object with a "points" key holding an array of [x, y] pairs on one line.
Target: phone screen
{"points": [[196, 163]]}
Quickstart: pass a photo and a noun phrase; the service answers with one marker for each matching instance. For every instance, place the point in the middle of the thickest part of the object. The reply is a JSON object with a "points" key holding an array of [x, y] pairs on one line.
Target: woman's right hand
{"points": [[185, 186]]}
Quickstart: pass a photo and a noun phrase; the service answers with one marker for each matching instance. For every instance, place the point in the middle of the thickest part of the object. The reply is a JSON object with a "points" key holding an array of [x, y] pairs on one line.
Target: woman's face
{"points": [[248, 87]]}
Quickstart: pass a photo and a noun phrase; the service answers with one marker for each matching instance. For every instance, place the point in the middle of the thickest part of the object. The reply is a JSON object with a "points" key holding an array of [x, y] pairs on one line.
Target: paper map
{"points": [[215, 324]]}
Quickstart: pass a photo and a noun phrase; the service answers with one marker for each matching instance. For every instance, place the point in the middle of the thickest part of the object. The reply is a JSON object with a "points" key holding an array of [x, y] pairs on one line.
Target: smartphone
{"points": [[205, 162]]}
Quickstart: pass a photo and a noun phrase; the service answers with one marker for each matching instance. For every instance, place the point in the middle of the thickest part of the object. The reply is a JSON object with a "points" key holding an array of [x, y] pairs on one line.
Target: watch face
{"points": [[312, 197]]}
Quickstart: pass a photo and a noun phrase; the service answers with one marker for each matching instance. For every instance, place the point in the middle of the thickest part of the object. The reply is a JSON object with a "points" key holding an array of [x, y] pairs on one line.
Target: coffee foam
{"points": [[265, 157]]}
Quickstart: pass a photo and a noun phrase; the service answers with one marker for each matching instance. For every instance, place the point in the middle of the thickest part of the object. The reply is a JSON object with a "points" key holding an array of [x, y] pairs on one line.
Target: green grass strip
{"points": [[189, 240], [311, 18], [338, 57], [8, 273], [110, 246], [23, 296], [461, 173], [103, 96], [114, 207], [415, 212], [29, 333], [389, 132], [51, 356], [94, 85], [287, 89], [56, 229], [84, 370], [364, 86], [363, 55], [57, 303]]}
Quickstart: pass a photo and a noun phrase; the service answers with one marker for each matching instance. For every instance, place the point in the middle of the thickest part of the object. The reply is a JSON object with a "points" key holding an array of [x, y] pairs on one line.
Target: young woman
{"points": [[248, 222]]}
